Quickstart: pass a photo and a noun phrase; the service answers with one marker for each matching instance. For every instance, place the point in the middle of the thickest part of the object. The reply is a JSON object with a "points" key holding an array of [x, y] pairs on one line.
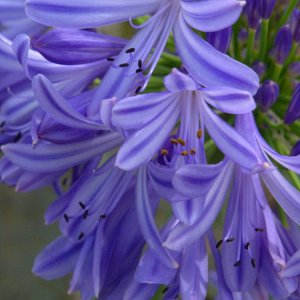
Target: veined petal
{"points": [[87, 13], [58, 108], [178, 81], [292, 267], [142, 145], [229, 141], [137, 111], [284, 193], [210, 15], [57, 259], [183, 235], [147, 222], [199, 58], [229, 100], [11, 10], [196, 180], [47, 158]]}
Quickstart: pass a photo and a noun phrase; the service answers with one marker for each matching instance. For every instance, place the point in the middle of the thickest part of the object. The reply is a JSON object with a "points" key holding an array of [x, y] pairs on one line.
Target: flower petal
{"points": [[292, 267], [199, 58], [88, 13], [210, 16]]}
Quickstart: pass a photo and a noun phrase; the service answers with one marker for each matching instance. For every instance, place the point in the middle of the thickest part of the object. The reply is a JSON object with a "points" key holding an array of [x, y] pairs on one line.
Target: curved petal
{"points": [[147, 222], [87, 13], [292, 267], [47, 158], [229, 100], [57, 259], [284, 193], [199, 57], [229, 141], [196, 180], [142, 145], [210, 15], [183, 235], [58, 108]]}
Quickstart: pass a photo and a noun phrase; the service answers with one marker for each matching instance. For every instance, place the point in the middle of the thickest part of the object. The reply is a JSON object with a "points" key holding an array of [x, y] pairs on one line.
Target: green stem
{"points": [[264, 39], [250, 46], [277, 72], [284, 18], [235, 44], [292, 55]]}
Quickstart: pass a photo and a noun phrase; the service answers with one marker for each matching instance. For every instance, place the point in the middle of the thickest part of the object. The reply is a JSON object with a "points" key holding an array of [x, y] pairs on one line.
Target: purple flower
{"points": [[150, 118], [267, 94], [293, 112], [265, 8]]}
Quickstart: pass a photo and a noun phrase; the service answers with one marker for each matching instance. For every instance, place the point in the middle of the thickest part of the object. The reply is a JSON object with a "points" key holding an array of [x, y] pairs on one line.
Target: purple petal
{"points": [[47, 158], [88, 13], [211, 16], [229, 100], [199, 58], [292, 267]]}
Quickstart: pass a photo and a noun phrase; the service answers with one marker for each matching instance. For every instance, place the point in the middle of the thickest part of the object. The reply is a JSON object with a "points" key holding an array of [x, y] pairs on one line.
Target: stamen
{"points": [[85, 214], [138, 89], [102, 217], [110, 59], [237, 263], [164, 152], [174, 141], [181, 141], [219, 243], [230, 240], [184, 153], [247, 246], [253, 263], [18, 137], [81, 235], [193, 151], [199, 134], [82, 205], [130, 50], [66, 217], [259, 230], [124, 65], [140, 63], [139, 70]]}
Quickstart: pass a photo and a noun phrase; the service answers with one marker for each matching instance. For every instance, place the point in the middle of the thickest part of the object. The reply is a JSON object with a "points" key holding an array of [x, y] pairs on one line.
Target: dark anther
{"points": [[102, 217], [66, 217], [139, 70], [85, 214], [2, 124], [18, 137], [164, 290], [259, 230], [247, 246], [138, 89], [81, 235], [230, 240], [193, 151], [237, 263], [219, 243], [184, 153], [82, 205], [125, 65], [130, 50], [253, 263], [110, 59], [174, 141], [140, 63]]}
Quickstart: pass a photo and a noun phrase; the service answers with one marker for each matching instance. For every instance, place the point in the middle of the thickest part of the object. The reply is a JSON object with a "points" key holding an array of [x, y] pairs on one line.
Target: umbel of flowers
{"points": [[119, 126]]}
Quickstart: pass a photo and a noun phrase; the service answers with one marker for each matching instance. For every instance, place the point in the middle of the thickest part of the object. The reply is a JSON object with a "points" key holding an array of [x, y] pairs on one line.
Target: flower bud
{"points": [[251, 11], [259, 67], [220, 39], [296, 149], [267, 94], [265, 8], [283, 44], [293, 111], [295, 25]]}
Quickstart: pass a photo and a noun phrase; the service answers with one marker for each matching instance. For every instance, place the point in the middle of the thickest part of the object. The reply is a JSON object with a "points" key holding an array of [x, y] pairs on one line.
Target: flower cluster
{"points": [[153, 143]]}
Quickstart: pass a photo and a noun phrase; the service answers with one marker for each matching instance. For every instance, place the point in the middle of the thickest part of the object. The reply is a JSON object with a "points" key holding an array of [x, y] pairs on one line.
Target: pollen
{"points": [[164, 152], [174, 141], [193, 151], [184, 153], [199, 133], [181, 141]]}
